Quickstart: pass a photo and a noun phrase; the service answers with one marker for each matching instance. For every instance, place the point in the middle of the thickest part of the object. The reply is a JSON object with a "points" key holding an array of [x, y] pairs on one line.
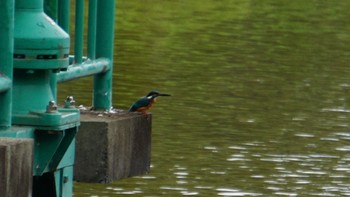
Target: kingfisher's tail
{"points": [[132, 109]]}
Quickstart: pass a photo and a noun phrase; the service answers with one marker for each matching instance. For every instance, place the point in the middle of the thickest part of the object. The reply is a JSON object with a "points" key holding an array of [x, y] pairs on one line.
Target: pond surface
{"points": [[260, 103]]}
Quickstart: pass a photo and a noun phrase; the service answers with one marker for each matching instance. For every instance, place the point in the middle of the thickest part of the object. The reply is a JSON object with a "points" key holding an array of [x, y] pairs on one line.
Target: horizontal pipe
{"points": [[72, 57], [5, 83], [85, 69]]}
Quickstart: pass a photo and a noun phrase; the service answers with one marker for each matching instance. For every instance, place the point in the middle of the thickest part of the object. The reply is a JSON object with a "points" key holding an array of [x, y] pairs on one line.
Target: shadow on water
{"points": [[260, 96]]}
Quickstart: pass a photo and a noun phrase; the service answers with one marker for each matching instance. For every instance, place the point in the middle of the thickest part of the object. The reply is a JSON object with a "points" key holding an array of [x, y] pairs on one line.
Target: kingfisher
{"points": [[146, 102]]}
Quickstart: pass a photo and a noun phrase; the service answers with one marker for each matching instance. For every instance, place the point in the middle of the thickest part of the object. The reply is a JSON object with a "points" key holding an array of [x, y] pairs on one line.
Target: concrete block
{"points": [[16, 167], [112, 146]]}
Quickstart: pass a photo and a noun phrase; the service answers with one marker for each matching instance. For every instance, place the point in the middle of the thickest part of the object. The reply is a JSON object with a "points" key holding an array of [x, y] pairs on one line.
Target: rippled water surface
{"points": [[260, 103]]}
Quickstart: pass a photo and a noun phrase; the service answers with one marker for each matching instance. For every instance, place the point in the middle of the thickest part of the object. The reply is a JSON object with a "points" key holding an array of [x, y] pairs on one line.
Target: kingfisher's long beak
{"points": [[164, 95]]}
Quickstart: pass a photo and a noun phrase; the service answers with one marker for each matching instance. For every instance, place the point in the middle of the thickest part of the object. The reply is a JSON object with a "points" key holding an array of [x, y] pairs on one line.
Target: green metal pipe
{"points": [[72, 57], [63, 14], [79, 30], [84, 70], [53, 84], [5, 84], [102, 96], [6, 59], [50, 8], [34, 4], [91, 45]]}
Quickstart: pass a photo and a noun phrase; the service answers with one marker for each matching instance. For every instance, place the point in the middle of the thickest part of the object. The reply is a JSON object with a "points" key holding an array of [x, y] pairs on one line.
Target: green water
{"points": [[260, 103]]}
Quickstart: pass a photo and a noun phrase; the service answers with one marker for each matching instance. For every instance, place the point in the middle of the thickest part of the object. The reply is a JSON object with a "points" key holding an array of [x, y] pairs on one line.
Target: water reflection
{"points": [[260, 105]]}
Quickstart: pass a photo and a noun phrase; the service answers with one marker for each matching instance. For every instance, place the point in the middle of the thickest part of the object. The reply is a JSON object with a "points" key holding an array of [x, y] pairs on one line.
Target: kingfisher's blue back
{"points": [[146, 102], [140, 103]]}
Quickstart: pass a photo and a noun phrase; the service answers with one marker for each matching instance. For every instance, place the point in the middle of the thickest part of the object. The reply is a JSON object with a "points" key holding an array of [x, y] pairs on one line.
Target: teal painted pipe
{"points": [[6, 60], [83, 70], [63, 14], [53, 84], [79, 31], [50, 8], [63, 20], [5, 84], [34, 4], [102, 96], [91, 45]]}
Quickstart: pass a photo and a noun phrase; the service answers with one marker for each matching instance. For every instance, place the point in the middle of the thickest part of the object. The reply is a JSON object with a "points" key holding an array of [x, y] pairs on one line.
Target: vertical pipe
{"points": [[50, 8], [53, 84], [34, 4], [79, 31], [6, 58], [63, 17], [102, 96], [63, 14], [91, 45]]}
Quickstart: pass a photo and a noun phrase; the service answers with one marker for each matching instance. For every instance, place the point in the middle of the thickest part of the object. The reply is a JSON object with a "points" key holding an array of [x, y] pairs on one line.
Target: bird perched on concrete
{"points": [[145, 103]]}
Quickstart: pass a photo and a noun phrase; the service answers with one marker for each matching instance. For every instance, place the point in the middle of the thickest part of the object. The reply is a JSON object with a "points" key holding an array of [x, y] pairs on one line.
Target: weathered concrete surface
{"points": [[112, 146], [16, 167]]}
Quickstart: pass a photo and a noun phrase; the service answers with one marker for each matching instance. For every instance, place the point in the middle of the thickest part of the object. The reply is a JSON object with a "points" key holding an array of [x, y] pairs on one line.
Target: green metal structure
{"points": [[34, 57]]}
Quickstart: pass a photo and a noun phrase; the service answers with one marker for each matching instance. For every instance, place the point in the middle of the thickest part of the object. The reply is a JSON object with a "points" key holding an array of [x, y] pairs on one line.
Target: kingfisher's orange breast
{"points": [[145, 108]]}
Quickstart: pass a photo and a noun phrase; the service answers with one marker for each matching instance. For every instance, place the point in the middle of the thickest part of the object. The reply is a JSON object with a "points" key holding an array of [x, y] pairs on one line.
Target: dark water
{"points": [[260, 103]]}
